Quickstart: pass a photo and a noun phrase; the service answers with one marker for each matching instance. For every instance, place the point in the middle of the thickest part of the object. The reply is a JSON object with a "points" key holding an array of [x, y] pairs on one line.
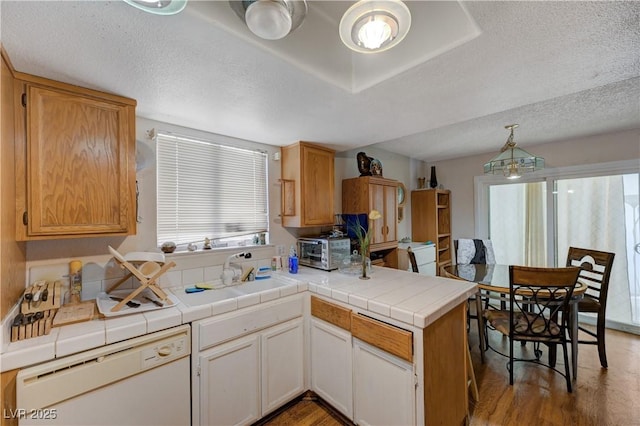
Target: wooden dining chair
{"points": [[538, 312], [595, 271], [412, 260]]}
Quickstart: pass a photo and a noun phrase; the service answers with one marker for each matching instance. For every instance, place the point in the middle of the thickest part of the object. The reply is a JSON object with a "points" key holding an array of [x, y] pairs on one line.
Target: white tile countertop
{"points": [[416, 300]]}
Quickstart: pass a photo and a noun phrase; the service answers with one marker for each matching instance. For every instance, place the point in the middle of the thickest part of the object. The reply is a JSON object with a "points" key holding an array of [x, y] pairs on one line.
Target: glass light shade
{"points": [[513, 162], [269, 20], [371, 26], [159, 7]]}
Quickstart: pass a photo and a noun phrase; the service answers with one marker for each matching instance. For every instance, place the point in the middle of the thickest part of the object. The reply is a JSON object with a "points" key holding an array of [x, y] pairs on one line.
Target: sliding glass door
{"points": [[518, 223], [534, 223]]}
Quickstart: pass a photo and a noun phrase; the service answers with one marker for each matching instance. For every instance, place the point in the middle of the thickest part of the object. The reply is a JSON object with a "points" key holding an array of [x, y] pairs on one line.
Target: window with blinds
{"points": [[205, 189]]}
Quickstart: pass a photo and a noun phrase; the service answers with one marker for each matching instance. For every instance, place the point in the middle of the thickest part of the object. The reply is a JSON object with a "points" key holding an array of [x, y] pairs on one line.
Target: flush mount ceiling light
{"points": [[512, 161], [371, 26], [271, 19], [159, 7]]}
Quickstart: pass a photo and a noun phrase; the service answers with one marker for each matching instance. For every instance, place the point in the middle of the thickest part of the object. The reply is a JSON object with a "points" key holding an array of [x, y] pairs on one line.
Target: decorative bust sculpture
{"points": [[364, 164]]}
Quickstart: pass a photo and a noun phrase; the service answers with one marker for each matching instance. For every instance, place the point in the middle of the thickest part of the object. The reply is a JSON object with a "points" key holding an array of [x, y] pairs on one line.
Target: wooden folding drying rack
{"points": [[147, 273]]}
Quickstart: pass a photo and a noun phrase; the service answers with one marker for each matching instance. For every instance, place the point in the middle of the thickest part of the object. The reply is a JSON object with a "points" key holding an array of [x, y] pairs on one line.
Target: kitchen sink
{"points": [[260, 285], [219, 294], [205, 297]]}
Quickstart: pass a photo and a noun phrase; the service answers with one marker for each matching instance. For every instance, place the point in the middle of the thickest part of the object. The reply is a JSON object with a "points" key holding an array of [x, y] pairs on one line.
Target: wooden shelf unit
{"points": [[431, 221]]}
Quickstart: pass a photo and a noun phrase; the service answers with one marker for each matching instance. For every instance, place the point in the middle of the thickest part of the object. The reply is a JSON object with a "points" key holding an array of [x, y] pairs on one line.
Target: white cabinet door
{"points": [[282, 364], [230, 383], [331, 365], [384, 387]]}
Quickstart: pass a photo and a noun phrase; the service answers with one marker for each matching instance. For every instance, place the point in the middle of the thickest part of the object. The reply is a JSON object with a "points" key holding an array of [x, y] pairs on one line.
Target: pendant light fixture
{"points": [[371, 26], [512, 161], [271, 19], [159, 7]]}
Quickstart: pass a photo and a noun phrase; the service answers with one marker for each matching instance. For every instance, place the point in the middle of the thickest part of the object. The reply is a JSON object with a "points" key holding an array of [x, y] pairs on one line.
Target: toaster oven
{"points": [[323, 252]]}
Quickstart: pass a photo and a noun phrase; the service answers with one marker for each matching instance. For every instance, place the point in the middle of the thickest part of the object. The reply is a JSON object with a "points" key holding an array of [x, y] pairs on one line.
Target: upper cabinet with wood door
{"points": [[363, 194], [307, 185], [75, 152]]}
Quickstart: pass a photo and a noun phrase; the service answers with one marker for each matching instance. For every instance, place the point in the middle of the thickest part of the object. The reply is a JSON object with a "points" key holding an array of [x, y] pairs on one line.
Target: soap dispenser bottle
{"points": [[293, 261]]}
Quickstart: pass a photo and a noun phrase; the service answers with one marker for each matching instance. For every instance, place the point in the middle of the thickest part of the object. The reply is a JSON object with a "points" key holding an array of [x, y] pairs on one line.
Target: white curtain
{"points": [[590, 214], [517, 223]]}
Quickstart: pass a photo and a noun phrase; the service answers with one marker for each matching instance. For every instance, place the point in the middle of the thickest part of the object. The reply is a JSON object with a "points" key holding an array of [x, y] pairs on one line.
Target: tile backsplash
{"points": [[100, 273]]}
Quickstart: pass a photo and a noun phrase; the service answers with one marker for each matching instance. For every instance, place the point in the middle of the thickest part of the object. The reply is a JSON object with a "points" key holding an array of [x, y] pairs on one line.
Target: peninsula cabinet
{"points": [[75, 155], [331, 357], [376, 372], [431, 221], [386, 372], [363, 194], [307, 183]]}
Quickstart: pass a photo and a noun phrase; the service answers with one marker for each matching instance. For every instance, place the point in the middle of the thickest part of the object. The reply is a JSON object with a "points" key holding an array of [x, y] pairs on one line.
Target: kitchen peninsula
{"points": [[398, 355]]}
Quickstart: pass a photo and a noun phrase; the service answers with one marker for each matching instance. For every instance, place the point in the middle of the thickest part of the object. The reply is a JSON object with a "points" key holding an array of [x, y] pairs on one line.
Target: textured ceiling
{"points": [[559, 69]]}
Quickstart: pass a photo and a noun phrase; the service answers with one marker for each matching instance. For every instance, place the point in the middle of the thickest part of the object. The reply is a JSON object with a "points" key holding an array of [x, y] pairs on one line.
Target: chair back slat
{"points": [[595, 270], [412, 260]]}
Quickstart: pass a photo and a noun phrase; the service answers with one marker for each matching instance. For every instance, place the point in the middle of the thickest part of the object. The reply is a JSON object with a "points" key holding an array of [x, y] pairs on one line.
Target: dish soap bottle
{"points": [[75, 281], [293, 261]]}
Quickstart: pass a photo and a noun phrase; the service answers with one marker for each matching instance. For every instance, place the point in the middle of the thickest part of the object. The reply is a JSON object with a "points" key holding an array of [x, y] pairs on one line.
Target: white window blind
{"points": [[208, 190]]}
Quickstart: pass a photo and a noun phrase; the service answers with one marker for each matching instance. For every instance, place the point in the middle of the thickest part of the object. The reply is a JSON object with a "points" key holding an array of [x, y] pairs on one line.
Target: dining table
{"points": [[494, 279]]}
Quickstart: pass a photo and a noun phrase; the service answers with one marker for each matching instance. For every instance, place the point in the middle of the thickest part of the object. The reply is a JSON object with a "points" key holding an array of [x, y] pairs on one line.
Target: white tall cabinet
{"points": [[383, 387], [331, 365]]}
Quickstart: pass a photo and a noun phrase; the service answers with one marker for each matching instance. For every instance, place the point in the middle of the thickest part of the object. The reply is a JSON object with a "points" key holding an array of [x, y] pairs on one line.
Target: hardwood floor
{"points": [[601, 397], [309, 411]]}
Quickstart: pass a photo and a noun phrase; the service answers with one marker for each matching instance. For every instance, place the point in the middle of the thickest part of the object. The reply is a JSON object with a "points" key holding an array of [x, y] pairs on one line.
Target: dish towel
{"points": [[475, 251]]}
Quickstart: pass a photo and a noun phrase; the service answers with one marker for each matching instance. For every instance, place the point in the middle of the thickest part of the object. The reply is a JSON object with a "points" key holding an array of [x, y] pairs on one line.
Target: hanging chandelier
{"points": [[513, 162]]}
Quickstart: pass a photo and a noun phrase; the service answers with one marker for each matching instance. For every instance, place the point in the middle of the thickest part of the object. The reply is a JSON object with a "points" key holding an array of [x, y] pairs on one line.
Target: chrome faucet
{"points": [[228, 273]]}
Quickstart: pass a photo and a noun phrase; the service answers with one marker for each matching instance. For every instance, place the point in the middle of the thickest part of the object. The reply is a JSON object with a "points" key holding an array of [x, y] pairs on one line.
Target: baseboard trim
{"points": [[614, 325]]}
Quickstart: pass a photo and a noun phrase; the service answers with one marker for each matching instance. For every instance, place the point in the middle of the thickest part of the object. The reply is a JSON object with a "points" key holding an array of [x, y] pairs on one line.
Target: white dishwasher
{"points": [[140, 381]]}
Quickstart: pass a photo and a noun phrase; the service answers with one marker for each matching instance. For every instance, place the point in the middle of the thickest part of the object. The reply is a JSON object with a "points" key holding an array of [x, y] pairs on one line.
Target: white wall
{"points": [[457, 174]]}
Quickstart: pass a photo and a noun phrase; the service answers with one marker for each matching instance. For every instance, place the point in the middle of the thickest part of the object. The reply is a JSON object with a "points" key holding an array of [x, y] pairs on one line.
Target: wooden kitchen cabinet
{"points": [[361, 195], [75, 154], [12, 252], [383, 375], [383, 387], [307, 178], [331, 354], [431, 221], [9, 407]]}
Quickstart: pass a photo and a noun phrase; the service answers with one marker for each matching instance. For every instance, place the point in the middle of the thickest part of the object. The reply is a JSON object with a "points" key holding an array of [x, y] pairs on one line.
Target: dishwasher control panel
{"points": [[165, 351]]}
